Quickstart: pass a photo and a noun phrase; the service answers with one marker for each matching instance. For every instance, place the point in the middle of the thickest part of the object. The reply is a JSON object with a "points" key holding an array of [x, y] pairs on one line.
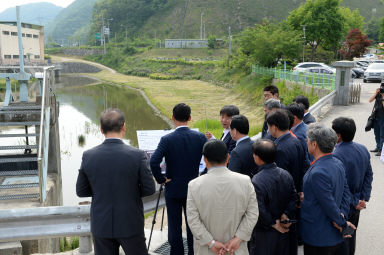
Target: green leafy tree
{"points": [[212, 42], [267, 45], [381, 30], [372, 29], [324, 23], [355, 45], [353, 19]]}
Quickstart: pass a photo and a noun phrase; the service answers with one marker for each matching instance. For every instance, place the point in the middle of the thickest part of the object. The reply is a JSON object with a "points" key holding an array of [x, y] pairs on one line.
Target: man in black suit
{"points": [[226, 114], [116, 176], [290, 156], [277, 200], [183, 151], [308, 118], [241, 160]]}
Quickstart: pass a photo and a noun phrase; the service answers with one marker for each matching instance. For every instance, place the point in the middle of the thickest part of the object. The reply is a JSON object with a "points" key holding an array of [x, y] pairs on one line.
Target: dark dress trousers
{"points": [[326, 192], [276, 194], [116, 176], [357, 163], [308, 119], [241, 160], [182, 150]]}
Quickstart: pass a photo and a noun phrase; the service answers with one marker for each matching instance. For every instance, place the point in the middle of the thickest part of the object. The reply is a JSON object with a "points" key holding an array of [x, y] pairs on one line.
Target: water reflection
{"points": [[80, 108]]}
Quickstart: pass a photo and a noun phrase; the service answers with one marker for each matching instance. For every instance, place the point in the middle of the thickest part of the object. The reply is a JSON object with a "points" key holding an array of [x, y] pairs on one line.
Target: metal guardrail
{"points": [[55, 221], [326, 81], [42, 155], [316, 108]]}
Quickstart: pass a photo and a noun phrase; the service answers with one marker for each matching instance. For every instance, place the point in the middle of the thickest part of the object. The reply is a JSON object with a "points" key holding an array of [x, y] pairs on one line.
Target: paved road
{"points": [[370, 234]]}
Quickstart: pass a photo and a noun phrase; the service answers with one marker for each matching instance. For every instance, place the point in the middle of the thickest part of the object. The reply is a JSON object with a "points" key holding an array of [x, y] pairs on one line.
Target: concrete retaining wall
{"points": [[320, 92], [82, 52], [77, 67]]}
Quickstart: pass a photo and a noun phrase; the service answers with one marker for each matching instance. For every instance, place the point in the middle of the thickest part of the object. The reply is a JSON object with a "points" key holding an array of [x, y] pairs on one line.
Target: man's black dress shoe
{"points": [[375, 150], [378, 153]]}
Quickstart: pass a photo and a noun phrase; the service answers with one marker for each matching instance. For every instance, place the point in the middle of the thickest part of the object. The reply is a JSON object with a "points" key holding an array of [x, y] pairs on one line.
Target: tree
{"points": [[372, 29], [381, 30], [355, 45], [267, 44], [212, 42], [353, 19], [323, 20]]}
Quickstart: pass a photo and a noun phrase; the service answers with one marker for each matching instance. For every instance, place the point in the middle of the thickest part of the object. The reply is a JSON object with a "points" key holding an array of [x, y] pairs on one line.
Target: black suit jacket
{"points": [[276, 194], [182, 150], [116, 176], [308, 119], [231, 144], [290, 156], [241, 160]]}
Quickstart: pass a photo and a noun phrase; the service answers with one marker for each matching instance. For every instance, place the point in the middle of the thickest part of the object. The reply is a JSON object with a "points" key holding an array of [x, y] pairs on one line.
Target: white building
{"points": [[185, 43], [33, 43]]}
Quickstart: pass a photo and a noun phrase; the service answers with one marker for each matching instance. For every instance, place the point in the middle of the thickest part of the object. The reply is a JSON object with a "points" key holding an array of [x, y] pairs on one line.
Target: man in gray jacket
{"points": [[221, 206]]}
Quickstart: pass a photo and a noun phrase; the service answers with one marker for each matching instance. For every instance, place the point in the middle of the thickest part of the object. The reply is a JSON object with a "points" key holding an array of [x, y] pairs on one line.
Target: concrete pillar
{"points": [[85, 244], [13, 248], [343, 75]]}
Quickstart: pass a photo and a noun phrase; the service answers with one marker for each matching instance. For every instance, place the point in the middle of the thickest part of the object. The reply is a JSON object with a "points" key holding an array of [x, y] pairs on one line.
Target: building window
{"points": [[5, 32], [37, 56], [29, 35], [23, 34], [14, 33], [35, 36], [7, 56], [15, 56]]}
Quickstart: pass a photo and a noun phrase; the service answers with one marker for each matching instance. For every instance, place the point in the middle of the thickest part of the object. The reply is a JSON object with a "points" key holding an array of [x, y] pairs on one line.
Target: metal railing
{"points": [[326, 81], [43, 151], [316, 108], [54, 222]]}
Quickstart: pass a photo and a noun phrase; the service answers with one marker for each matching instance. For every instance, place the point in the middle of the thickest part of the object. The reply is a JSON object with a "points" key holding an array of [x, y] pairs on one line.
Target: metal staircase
{"points": [[24, 143], [19, 178]]}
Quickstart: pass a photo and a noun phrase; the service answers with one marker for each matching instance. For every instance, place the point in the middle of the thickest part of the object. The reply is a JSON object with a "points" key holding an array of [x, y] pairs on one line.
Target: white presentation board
{"points": [[149, 140]]}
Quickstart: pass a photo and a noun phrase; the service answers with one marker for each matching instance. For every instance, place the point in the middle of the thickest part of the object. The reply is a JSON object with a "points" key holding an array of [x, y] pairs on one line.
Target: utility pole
{"points": [[201, 25], [204, 31], [229, 41], [109, 31], [304, 42], [102, 33]]}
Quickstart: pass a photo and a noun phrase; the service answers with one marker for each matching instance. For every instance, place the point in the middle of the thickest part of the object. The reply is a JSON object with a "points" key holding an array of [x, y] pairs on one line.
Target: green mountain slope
{"points": [[35, 13], [171, 18], [72, 21]]}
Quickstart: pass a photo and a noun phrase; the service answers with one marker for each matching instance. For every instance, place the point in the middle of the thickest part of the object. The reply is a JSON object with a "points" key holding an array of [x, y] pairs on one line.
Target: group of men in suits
{"points": [[301, 188]]}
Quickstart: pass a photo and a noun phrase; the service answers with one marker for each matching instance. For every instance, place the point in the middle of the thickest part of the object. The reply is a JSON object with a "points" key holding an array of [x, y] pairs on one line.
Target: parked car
{"points": [[361, 65], [358, 71], [303, 67], [322, 70], [374, 72]]}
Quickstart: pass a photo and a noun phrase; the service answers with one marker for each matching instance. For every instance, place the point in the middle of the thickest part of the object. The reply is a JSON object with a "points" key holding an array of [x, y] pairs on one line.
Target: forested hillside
{"points": [[181, 18], [73, 21], [35, 13]]}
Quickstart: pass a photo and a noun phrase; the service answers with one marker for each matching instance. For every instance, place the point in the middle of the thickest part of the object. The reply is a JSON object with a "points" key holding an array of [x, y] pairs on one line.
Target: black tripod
{"points": [[154, 216]]}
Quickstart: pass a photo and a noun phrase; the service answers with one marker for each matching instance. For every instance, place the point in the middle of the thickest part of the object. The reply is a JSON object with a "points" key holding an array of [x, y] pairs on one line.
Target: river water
{"points": [[80, 108]]}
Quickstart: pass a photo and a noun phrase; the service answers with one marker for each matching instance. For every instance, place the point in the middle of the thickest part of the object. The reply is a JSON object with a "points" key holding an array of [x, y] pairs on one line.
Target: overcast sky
{"points": [[5, 4]]}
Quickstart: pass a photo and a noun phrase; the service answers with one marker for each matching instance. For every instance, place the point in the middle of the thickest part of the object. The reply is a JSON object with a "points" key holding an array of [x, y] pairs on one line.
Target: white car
{"points": [[303, 67], [374, 72]]}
